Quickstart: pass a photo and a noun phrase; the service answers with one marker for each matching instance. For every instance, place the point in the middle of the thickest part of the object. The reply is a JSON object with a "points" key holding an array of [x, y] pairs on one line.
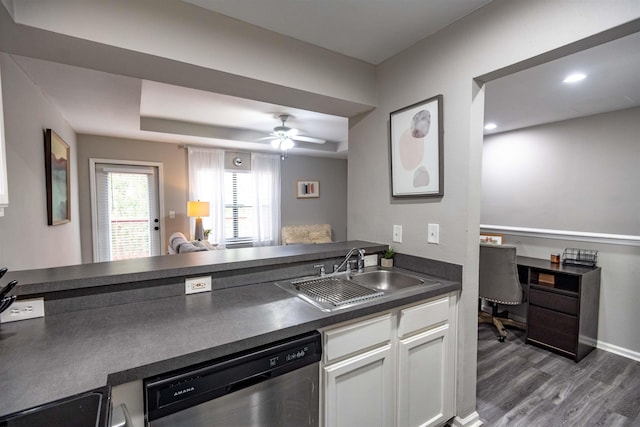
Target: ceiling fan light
{"points": [[287, 144], [275, 143]]}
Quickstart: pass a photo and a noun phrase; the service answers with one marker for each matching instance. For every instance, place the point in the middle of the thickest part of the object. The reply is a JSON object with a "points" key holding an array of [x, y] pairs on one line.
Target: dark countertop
{"points": [[546, 264], [161, 267], [49, 358]]}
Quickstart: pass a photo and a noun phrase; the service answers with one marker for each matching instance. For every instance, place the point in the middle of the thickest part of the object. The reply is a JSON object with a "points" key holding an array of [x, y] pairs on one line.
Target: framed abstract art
{"points": [[416, 140]]}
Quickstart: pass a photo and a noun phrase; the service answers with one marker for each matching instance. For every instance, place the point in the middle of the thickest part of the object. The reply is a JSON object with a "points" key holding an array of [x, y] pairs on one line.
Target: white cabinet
{"points": [[425, 379], [395, 369], [359, 389], [426, 364], [358, 373], [4, 187]]}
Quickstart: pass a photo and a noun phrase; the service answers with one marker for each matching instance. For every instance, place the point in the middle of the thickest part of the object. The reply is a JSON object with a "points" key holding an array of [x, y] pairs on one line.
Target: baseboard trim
{"points": [[620, 351], [471, 420]]}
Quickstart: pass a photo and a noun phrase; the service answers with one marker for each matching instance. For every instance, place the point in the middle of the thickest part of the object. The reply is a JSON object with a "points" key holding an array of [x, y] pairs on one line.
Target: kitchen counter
{"points": [[83, 276], [61, 355]]}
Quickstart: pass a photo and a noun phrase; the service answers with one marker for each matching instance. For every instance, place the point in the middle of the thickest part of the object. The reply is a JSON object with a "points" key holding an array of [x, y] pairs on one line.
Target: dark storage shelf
{"points": [[562, 306]]}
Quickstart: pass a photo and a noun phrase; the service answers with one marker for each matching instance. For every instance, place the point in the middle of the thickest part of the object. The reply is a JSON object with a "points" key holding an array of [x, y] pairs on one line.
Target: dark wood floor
{"points": [[523, 385]]}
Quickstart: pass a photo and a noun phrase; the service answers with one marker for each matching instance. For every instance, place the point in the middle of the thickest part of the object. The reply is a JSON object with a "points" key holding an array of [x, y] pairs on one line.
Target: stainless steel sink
{"points": [[335, 292], [386, 281], [330, 293]]}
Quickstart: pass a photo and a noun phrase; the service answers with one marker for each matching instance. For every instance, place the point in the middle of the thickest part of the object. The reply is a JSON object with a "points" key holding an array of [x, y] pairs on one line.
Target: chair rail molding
{"points": [[582, 236]]}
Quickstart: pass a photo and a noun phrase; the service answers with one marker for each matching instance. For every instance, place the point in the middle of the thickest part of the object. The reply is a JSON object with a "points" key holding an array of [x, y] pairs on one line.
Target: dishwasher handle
{"points": [[120, 417]]}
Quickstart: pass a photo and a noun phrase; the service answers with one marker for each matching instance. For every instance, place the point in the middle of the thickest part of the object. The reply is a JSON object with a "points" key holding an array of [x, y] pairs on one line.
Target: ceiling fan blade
{"points": [[308, 139]]}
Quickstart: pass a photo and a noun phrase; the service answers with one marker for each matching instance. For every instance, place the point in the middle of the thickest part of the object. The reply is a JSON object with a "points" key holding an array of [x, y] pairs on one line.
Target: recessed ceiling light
{"points": [[575, 77], [490, 126]]}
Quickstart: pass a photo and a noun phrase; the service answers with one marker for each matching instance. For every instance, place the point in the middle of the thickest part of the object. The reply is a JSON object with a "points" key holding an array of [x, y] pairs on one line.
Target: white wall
{"points": [[574, 175], [496, 36], [177, 43], [27, 241]]}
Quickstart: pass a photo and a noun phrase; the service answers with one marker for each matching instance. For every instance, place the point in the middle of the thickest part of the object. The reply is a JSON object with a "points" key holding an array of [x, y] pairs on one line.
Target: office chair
{"points": [[499, 284]]}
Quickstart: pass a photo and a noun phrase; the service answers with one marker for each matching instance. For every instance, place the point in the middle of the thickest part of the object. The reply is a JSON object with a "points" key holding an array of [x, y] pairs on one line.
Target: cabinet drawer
{"points": [[420, 317], [555, 329], [346, 340], [563, 303]]}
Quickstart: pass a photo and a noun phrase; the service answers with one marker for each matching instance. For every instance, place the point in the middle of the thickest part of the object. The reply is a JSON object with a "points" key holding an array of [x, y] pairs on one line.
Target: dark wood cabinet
{"points": [[563, 303]]}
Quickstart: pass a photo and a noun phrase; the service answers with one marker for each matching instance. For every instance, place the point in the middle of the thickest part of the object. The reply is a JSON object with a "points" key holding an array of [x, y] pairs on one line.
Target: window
{"points": [[245, 204], [238, 199]]}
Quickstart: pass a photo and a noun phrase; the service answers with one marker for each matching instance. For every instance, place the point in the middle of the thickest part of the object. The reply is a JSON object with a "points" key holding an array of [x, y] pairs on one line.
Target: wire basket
{"points": [[584, 257]]}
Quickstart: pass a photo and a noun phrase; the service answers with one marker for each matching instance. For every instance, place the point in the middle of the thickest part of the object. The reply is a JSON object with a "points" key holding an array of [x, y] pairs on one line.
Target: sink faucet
{"points": [[346, 260]]}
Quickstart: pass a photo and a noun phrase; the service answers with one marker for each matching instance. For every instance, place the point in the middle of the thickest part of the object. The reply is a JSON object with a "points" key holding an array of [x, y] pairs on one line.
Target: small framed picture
{"points": [[307, 189], [495, 239], [56, 163]]}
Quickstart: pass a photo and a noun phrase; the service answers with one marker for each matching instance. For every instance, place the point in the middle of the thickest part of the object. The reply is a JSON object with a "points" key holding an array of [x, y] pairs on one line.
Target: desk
{"points": [[563, 303]]}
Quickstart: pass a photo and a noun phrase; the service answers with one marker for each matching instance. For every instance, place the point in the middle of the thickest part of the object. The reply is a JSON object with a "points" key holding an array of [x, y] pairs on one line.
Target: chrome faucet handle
{"points": [[321, 267], [361, 253]]}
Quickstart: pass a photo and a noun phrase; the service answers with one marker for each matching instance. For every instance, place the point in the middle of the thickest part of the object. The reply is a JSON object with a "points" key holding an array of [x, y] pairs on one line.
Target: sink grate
{"points": [[335, 290]]}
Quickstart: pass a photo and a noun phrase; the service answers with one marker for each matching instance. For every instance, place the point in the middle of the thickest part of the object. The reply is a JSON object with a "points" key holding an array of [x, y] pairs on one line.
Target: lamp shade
{"points": [[197, 209]]}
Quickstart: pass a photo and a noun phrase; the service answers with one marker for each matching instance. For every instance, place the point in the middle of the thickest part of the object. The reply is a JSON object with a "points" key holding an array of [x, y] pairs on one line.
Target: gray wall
{"points": [[330, 207], [499, 35], [576, 175], [175, 183], [26, 240]]}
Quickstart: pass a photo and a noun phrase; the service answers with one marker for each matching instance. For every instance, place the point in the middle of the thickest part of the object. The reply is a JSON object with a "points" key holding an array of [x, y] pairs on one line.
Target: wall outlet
{"points": [[23, 310], [194, 285], [370, 260], [397, 233], [433, 234]]}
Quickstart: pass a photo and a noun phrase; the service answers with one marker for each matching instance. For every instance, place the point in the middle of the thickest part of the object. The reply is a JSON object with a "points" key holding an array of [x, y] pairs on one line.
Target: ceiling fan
{"points": [[284, 137]]}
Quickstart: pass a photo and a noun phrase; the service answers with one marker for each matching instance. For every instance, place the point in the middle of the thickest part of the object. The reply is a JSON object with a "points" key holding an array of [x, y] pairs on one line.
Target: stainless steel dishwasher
{"points": [[274, 385]]}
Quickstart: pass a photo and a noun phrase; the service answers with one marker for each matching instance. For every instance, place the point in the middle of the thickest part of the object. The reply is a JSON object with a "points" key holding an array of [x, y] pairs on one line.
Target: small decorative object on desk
{"points": [[555, 258], [584, 257]]}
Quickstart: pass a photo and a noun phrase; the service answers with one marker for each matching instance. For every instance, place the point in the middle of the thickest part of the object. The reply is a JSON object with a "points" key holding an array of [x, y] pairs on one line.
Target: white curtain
{"points": [[206, 183], [265, 170]]}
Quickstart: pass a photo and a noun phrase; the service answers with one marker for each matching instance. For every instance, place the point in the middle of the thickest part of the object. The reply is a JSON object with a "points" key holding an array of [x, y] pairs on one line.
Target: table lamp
{"points": [[198, 209]]}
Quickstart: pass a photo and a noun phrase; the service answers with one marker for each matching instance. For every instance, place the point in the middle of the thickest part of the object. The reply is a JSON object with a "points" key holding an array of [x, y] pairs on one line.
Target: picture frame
{"points": [[307, 189], [492, 238], [57, 170], [416, 149]]}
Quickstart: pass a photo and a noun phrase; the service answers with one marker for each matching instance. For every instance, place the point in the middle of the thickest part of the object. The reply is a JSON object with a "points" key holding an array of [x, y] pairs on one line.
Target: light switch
{"points": [[172, 214], [434, 234], [397, 233]]}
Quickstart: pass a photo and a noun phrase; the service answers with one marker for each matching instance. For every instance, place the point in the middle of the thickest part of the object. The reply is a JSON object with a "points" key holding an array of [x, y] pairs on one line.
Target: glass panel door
{"points": [[127, 212]]}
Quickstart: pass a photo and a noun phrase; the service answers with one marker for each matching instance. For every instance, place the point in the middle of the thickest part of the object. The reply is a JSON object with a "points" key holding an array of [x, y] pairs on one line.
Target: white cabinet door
{"points": [[359, 390], [425, 378], [4, 186]]}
